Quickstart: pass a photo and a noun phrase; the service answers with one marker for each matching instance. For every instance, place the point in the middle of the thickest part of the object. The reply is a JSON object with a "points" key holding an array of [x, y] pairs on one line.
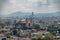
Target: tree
{"points": [[8, 35], [2, 23], [3, 38], [34, 39], [37, 26], [52, 28], [39, 36], [14, 32], [48, 36]]}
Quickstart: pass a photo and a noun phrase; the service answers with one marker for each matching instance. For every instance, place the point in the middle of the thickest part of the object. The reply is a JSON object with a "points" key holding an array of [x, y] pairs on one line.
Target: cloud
{"points": [[31, 5]]}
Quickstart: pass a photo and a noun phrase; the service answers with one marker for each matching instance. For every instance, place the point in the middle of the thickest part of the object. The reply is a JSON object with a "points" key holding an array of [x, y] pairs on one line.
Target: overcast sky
{"points": [[41, 6]]}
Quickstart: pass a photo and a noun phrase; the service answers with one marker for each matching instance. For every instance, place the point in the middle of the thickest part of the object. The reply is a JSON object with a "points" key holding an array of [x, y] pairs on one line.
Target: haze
{"points": [[37, 6]]}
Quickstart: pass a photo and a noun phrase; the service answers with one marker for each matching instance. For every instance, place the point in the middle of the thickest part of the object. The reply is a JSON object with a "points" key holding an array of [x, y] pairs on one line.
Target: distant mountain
{"points": [[19, 14], [23, 14], [56, 14]]}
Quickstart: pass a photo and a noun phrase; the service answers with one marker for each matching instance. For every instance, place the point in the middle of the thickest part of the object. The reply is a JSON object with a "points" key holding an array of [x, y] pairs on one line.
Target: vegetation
{"points": [[39, 37], [37, 26], [8, 35], [4, 39], [48, 36], [14, 32]]}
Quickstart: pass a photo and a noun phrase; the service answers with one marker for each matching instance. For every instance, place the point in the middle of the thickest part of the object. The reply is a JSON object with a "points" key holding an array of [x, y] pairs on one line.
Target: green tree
{"points": [[39, 36], [2, 23], [14, 31], [52, 28], [48, 36], [8, 35], [37, 26], [3, 38]]}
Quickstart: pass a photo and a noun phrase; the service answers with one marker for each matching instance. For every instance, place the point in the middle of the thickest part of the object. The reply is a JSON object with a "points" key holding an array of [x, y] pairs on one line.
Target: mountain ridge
{"points": [[21, 14]]}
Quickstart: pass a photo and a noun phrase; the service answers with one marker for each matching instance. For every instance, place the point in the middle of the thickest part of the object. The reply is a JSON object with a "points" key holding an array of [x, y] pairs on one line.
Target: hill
{"points": [[24, 14]]}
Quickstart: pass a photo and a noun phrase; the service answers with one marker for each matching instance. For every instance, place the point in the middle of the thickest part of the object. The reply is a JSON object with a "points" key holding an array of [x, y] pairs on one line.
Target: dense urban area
{"points": [[30, 28]]}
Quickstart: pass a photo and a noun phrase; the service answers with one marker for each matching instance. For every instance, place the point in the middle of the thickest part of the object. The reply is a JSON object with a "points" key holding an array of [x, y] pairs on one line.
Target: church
{"points": [[27, 22]]}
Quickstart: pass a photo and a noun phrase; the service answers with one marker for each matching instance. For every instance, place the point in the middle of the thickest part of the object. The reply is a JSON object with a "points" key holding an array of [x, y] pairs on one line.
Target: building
{"points": [[27, 22]]}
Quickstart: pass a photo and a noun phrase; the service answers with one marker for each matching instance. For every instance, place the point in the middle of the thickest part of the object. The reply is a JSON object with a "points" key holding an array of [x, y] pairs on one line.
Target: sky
{"points": [[37, 6]]}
